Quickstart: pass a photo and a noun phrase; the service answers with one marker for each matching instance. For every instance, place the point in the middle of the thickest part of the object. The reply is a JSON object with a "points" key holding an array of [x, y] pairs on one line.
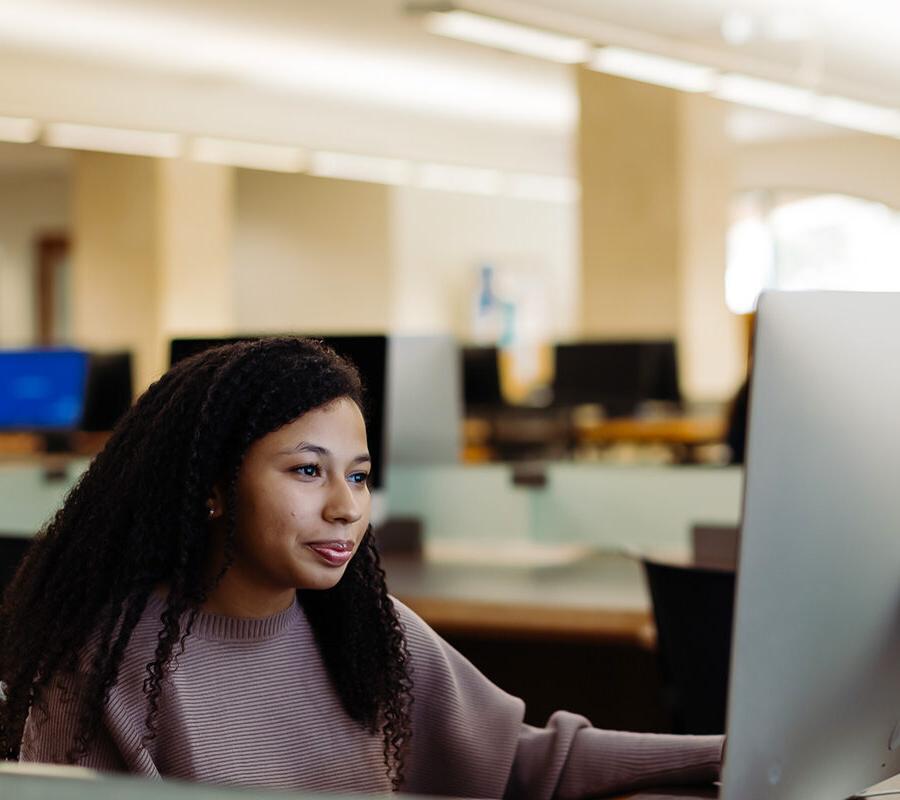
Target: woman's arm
{"points": [[469, 739], [569, 759], [50, 733]]}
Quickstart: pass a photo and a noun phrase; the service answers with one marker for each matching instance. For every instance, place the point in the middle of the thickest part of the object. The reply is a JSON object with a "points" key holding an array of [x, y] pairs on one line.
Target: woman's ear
{"points": [[215, 504]]}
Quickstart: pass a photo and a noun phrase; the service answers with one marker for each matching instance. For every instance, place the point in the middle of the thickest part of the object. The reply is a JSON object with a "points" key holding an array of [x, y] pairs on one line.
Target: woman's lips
{"points": [[334, 553]]}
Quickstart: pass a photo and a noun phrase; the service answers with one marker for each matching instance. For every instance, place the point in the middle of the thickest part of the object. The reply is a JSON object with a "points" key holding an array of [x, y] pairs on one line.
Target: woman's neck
{"points": [[235, 598]]}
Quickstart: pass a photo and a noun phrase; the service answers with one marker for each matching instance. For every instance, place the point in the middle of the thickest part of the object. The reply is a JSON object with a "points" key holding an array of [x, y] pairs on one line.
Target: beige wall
{"points": [[440, 239], [311, 254], [711, 339], [31, 204], [862, 165], [656, 171], [196, 214], [115, 282], [628, 162], [151, 254]]}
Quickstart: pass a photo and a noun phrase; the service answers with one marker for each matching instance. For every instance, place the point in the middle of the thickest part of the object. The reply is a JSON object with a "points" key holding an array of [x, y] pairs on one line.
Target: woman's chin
{"points": [[321, 580]]}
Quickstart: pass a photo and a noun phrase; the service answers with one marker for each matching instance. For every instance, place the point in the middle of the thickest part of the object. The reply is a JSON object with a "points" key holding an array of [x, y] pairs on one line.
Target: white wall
{"points": [[31, 204], [439, 240]]}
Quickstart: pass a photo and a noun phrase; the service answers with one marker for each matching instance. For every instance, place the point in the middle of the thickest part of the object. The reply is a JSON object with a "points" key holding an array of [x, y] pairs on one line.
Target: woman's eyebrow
{"points": [[307, 447]]}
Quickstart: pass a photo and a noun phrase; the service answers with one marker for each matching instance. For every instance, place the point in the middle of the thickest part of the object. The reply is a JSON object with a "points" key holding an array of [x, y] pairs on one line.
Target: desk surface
{"points": [[597, 597], [668, 430]]}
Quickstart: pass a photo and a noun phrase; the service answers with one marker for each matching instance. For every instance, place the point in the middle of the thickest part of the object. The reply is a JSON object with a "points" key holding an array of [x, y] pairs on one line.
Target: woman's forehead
{"points": [[339, 422]]}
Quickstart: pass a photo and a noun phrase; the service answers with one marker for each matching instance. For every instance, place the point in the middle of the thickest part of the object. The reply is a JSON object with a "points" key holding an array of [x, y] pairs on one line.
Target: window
{"points": [[793, 240]]}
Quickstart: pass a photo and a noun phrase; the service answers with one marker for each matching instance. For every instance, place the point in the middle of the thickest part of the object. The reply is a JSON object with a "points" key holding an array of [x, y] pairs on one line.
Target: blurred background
{"points": [[542, 225], [512, 174]]}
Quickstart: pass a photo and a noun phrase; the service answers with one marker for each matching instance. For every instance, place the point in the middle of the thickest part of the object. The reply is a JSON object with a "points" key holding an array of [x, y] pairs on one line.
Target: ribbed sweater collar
{"points": [[218, 627]]}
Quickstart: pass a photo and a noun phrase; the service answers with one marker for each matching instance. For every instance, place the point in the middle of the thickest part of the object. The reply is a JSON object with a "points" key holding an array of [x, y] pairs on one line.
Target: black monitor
{"points": [[367, 352], [481, 379], [109, 392], [619, 375], [659, 372], [42, 390]]}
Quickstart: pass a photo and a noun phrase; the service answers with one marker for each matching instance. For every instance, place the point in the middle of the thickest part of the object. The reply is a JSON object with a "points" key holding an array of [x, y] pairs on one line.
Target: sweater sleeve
{"points": [[50, 733], [469, 739], [52, 724]]}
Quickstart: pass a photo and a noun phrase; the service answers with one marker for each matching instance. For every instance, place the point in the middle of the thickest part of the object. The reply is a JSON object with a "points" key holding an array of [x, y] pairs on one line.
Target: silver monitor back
{"points": [[424, 396], [814, 701]]}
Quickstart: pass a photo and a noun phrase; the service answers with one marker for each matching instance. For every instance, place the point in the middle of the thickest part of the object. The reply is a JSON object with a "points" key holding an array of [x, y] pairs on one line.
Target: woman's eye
{"points": [[359, 477], [308, 470]]}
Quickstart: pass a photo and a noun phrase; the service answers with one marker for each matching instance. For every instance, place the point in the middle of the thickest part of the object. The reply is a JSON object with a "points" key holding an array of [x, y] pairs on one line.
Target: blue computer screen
{"points": [[41, 389]]}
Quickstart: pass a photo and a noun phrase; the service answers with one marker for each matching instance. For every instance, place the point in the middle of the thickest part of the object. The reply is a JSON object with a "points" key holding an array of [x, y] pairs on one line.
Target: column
{"points": [[151, 254], [655, 167]]}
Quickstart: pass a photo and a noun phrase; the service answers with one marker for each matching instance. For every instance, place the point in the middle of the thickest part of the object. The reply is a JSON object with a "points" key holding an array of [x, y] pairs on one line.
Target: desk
{"points": [[29, 447], [684, 435], [574, 635], [688, 431], [601, 598]]}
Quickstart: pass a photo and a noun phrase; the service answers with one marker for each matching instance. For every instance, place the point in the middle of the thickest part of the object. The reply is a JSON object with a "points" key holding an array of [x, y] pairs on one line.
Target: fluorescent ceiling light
{"points": [[649, 68], [764, 94], [151, 36], [352, 167], [737, 27], [859, 116], [251, 155], [547, 188], [112, 140], [522, 39], [452, 178], [18, 129]]}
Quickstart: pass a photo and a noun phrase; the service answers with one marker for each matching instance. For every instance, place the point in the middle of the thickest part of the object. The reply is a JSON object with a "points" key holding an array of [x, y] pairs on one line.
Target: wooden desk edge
{"points": [[515, 621]]}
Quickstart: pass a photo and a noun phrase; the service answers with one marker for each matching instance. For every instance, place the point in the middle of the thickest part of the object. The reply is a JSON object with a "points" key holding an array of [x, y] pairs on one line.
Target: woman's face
{"points": [[303, 501]]}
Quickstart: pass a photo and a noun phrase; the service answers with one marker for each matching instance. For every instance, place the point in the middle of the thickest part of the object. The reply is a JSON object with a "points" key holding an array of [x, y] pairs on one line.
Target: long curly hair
{"points": [[137, 519]]}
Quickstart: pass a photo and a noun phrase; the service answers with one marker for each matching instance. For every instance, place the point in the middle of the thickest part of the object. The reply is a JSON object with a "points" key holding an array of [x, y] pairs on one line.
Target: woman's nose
{"points": [[342, 506]]}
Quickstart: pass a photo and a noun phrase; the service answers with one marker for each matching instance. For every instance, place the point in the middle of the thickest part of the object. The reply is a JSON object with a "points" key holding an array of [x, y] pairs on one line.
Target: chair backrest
{"points": [[693, 608]]}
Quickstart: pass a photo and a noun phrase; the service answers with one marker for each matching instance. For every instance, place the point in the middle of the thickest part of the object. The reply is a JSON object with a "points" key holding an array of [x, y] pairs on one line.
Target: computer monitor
{"points": [[424, 400], [814, 705], [109, 392], [42, 390], [619, 375], [367, 352], [481, 380]]}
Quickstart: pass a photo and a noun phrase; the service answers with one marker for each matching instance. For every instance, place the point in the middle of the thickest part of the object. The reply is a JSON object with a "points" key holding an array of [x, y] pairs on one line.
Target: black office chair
{"points": [[693, 608]]}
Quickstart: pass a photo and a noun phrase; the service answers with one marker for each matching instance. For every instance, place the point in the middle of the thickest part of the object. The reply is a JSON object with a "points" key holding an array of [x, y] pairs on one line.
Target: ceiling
{"points": [[364, 76]]}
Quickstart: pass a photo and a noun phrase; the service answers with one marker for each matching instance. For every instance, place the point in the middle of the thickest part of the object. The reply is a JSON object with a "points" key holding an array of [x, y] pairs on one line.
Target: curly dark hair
{"points": [[137, 519]]}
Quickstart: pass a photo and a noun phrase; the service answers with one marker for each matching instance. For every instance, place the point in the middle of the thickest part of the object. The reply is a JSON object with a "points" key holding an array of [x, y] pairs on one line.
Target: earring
{"points": [[212, 512]]}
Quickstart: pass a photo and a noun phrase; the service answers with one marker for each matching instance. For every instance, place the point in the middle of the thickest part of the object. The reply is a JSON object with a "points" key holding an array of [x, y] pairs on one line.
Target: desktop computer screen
{"points": [[481, 379], [618, 375], [367, 352], [814, 705], [109, 390], [42, 389]]}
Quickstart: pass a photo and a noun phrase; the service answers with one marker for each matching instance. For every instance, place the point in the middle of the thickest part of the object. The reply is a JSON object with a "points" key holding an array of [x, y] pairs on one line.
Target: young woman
{"points": [[208, 604]]}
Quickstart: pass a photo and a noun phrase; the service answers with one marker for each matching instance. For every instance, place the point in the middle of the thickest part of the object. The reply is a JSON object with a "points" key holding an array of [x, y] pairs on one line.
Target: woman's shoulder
{"points": [[416, 630]]}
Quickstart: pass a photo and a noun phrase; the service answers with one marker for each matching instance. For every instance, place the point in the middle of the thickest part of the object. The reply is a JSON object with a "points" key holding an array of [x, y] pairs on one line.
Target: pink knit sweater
{"points": [[250, 703]]}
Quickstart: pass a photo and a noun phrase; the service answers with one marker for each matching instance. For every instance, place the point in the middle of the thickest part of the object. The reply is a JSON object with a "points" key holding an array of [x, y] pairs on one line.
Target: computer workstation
{"points": [[61, 400], [603, 393], [814, 695]]}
